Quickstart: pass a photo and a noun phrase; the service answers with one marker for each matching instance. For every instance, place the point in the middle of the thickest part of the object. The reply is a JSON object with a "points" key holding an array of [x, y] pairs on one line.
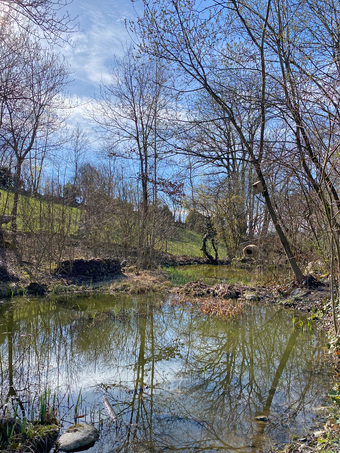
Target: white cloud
{"points": [[101, 36], [79, 112]]}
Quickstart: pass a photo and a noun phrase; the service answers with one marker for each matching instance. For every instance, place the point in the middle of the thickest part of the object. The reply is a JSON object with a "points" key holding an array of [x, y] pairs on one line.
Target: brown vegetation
{"points": [[142, 282], [218, 300]]}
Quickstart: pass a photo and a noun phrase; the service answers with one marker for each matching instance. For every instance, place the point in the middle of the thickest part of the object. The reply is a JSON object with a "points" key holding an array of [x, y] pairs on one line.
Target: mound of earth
{"points": [[95, 269]]}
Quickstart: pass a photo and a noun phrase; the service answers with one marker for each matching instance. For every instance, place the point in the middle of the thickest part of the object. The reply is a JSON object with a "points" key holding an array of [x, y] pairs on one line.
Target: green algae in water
{"points": [[176, 380], [209, 274]]}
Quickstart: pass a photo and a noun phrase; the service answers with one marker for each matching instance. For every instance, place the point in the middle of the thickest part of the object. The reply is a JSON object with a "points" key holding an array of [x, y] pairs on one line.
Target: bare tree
{"points": [[201, 42], [47, 16], [32, 84], [129, 116]]}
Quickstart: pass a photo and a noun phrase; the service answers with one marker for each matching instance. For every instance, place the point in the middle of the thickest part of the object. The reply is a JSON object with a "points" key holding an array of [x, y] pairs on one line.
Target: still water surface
{"points": [[177, 381]]}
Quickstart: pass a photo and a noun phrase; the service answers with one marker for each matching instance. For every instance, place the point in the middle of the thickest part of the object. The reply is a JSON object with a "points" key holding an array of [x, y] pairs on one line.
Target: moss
{"points": [[34, 437], [74, 426], [41, 437]]}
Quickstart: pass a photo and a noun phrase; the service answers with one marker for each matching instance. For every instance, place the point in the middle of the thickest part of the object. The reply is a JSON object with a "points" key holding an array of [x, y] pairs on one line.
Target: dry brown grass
{"points": [[140, 283], [218, 300]]}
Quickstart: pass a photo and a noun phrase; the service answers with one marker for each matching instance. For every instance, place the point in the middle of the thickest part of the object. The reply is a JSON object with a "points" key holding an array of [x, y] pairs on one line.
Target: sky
{"points": [[102, 34]]}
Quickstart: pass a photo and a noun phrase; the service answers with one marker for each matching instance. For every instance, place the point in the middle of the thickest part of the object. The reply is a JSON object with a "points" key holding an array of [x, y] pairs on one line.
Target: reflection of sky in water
{"points": [[175, 378]]}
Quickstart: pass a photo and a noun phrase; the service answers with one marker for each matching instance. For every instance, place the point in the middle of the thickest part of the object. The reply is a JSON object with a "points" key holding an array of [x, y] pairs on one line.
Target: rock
{"points": [[78, 437], [318, 434], [299, 293], [305, 449]]}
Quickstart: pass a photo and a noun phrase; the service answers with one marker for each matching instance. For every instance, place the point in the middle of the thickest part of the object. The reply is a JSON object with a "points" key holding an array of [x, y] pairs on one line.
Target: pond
{"points": [[178, 381], [227, 274]]}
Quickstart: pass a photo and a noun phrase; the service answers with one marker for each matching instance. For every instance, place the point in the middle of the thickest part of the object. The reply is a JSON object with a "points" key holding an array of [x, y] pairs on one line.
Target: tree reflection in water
{"points": [[178, 381]]}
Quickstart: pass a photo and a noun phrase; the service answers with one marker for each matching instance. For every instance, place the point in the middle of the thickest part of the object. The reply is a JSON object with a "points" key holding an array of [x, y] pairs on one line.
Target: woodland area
{"points": [[212, 98]]}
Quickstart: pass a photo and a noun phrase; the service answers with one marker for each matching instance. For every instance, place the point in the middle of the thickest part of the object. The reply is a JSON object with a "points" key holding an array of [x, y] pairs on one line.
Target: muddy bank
{"points": [[311, 299], [94, 269]]}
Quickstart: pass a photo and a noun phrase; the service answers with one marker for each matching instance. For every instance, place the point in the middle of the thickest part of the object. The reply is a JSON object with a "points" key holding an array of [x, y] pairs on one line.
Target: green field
{"points": [[35, 215], [185, 242]]}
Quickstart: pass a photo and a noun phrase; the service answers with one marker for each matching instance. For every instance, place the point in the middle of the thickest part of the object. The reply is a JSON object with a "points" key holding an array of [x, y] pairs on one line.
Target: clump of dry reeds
{"points": [[140, 283], [218, 300]]}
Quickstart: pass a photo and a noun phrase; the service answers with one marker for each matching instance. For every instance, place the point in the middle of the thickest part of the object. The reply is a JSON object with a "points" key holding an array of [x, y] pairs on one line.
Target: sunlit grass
{"points": [[35, 215], [180, 275], [185, 243]]}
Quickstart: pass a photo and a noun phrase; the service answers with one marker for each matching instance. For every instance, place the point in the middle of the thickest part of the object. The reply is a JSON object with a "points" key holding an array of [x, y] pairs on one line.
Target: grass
{"points": [[35, 215], [144, 282], [185, 242], [180, 275], [35, 433]]}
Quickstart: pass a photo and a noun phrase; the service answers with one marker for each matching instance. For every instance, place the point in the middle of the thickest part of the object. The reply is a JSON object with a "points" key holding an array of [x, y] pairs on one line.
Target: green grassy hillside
{"points": [[36, 215], [185, 242]]}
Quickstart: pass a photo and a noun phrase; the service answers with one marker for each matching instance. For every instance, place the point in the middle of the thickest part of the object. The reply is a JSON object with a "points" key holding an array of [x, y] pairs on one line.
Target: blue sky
{"points": [[101, 35]]}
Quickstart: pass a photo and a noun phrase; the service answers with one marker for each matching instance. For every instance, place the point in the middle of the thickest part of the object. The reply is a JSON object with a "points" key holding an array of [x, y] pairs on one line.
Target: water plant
{"points": [[35, 431], [47, 408], [301, 324], [77, 406], [310, 323]]}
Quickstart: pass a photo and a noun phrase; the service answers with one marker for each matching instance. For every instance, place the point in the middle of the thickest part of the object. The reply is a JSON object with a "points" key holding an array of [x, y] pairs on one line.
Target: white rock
{"points": [[78, 437], [305, 449]]}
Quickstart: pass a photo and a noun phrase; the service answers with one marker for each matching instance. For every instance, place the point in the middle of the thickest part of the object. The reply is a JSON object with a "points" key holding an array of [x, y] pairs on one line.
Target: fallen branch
{"points": [[109, 409]]}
